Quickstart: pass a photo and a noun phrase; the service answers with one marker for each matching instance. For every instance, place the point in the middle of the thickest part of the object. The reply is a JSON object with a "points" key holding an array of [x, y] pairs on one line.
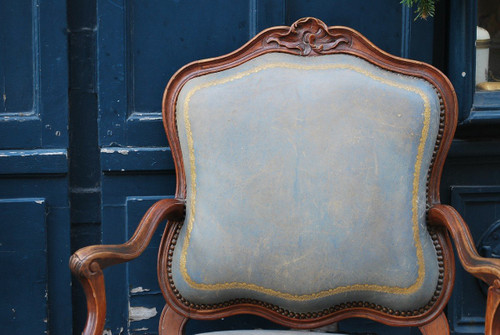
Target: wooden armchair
{"points": [[308, 164]]}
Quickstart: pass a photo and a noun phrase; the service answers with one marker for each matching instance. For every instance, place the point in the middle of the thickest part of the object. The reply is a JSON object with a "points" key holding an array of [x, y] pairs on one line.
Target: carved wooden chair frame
{"points": [[307, 37]]}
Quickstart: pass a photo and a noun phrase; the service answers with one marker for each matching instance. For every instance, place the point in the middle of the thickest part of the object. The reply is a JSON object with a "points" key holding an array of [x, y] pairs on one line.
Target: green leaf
{"points": [[425, 8]]}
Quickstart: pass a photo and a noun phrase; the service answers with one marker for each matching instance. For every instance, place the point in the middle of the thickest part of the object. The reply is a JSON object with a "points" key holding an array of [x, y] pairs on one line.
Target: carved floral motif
{"points": [[307, 35]]}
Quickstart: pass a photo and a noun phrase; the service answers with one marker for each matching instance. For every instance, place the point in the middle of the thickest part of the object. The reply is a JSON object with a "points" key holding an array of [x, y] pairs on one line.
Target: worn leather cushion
{"points": [[266, 332], [306, 184]]}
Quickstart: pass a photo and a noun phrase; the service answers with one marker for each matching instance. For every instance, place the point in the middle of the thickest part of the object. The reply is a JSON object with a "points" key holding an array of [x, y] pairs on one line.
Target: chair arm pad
{"points": [[107, 255], [486, 269]]}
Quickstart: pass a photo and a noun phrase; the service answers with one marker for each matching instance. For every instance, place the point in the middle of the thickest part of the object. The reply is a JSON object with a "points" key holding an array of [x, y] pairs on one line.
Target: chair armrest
{"points": [[486, 269], [87, 263]]}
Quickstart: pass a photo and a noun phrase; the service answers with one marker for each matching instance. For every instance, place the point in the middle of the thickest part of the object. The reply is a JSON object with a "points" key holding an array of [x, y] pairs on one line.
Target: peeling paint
{"points": [[139, 290], [107, 332], [112, 151], [140, 329], [52, 153], [107, 150], [141, 313], [39, 202], [150, 118]]}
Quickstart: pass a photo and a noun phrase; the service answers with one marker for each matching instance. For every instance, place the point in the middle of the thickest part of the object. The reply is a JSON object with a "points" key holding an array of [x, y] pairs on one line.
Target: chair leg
{"points": [[93, 286], [171, 323], [439, 326], [492, 322]]}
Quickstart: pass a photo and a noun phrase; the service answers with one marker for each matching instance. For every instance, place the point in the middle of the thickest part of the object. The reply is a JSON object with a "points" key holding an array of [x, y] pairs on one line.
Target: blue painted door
{"points": [[83, 153], [34, 211]]}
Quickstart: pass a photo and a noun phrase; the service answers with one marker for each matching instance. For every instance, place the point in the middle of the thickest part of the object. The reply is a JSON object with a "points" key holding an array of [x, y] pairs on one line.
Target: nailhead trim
{"points": [[315, 314]]}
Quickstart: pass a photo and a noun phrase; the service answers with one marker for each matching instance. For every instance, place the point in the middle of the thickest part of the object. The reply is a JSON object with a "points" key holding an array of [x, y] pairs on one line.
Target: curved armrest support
{"points": [[486, 269], [87, 263]]}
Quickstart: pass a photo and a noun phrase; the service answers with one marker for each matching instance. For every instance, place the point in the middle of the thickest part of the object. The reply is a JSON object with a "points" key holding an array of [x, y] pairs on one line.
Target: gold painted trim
{"points": [[341, 289]]}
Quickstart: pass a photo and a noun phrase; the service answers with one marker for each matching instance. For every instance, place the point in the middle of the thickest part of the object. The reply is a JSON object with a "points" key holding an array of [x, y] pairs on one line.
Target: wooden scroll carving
{"points": [[308, 35]]}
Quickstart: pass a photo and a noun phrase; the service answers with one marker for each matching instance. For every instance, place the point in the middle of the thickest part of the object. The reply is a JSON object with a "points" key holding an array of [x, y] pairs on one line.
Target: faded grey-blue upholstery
{"points": [[306, 183]]}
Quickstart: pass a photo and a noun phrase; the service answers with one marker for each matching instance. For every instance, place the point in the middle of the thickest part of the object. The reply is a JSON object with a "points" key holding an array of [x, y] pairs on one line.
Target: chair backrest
{"points": [[308, 159]]}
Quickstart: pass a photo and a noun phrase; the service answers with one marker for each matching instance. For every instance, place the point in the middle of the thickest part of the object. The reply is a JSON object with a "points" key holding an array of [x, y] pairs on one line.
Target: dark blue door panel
{"points": [[34, 225], [122, 53], [141, 44], [34, 209], [479, 205], [33, 72], [23, 256], [19, 70]]}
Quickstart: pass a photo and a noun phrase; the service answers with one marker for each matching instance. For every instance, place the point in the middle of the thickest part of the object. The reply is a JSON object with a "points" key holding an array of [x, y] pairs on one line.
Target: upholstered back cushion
{"points": [[306, 184]]}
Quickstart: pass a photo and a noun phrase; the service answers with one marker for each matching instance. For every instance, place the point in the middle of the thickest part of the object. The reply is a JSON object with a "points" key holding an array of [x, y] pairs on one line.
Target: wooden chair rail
{"points": [[87, 263], [486, 269]]}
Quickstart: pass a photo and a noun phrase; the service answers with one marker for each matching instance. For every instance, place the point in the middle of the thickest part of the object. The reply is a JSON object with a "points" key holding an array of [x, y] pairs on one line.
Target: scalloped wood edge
{"points": [[87, 263]]}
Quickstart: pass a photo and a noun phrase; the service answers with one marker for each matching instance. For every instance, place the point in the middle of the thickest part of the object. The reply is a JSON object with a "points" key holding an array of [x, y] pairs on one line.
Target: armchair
{"points": [[308, 165]]}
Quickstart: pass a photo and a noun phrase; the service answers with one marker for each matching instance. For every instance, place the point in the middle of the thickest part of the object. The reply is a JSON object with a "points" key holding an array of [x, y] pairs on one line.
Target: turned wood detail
{"points": [[171, 323], [492, 320], [308, 35], [87, 263]]}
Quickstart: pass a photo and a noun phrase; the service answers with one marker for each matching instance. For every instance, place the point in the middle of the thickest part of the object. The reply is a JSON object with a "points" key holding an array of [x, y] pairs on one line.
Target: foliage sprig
{"points": [[425, 8]]}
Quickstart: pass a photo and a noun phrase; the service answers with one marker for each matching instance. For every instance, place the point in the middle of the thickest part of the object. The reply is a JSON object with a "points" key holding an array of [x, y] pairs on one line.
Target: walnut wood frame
{"points": [[308, 37]]}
